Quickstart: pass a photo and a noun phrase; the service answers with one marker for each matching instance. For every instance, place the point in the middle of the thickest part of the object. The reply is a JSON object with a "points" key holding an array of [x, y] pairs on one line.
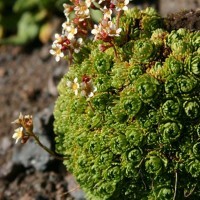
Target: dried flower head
{"points": [[19, 120], [26, 121]]}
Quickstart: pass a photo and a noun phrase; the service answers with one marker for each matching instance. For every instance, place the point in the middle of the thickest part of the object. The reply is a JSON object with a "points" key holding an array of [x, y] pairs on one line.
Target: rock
{"points": [[9, 171], [3, 185], [189, 19], [41, 197], [44, 53], [6, 169], [32, 155], [52, 88], [43, 122], [59, 72], [172, 6], [2, 72], [26, 197], [73, 188], [5, 144]]}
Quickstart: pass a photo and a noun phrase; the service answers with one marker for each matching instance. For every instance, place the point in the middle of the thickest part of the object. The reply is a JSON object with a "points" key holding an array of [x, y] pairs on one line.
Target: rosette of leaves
{"points": [[138, 136]]}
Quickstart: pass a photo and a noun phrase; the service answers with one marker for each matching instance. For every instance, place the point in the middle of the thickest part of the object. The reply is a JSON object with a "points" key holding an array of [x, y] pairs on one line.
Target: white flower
{"points": [[76, 44], [71, 30], [88, 89], [121, 4], [112, 31], [96, 30], [73, 85], [101, 1], [106, 12], [66, 24], [82, 11], [58, 38], [67, 9], [18, 134], [88, 3], [57, 51], [105, 30]]}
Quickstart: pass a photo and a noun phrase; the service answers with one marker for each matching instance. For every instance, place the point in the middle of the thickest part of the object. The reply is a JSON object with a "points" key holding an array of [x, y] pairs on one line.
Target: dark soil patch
{"points": [[184, 19]]}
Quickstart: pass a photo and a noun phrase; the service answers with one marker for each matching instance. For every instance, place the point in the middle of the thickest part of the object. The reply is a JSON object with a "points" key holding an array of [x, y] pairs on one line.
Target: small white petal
{"points": [[94, 89], [83, 93], [76, 50], [52, 52], [70, 36], [91, 94], [61, 54], [76, 92], [18, 134], [80, 41], [83, 85], [69, 84], [57, 58]]}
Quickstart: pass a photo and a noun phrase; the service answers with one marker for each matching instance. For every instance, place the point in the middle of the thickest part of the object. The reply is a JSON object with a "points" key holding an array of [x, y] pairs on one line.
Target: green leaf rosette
{"points": [[147, 88], [131, 103], [155, 164], [143, 51], [192, 109], [193, 167], [193, 64], [134, 136], [196, 150], [171, 108], [170, 131]]}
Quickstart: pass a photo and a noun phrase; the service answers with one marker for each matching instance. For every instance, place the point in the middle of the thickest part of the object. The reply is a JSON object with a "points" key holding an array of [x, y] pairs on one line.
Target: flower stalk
{"points": [[25, 131]]}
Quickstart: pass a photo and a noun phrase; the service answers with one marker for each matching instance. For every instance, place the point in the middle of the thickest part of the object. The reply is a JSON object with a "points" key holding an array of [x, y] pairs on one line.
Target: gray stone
{"points": [[32, 155], [171, 6], [5, 144], [73, 188]]}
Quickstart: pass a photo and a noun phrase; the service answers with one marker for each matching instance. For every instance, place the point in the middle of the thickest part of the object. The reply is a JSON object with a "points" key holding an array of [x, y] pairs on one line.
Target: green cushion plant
{"points": [[128, 112]]}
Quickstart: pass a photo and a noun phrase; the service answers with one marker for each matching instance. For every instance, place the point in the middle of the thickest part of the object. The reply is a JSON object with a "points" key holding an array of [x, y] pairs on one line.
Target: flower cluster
{"points": [[79, 24], [86, 86], [105, 30], [26, 127]]}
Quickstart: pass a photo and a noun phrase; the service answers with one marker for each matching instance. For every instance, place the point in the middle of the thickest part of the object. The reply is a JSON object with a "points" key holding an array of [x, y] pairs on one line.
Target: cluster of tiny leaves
{"points": [[138, 137]]}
